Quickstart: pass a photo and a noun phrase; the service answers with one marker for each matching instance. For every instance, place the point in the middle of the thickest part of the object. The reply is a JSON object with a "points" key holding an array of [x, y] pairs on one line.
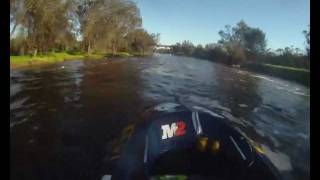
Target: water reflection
{"points": [[66, 117], [63, 117], [284, 121], [34, 131]]}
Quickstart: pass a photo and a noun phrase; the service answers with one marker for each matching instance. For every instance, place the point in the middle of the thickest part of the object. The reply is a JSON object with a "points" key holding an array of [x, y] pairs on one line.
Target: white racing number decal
{"points": [[175, 129]]}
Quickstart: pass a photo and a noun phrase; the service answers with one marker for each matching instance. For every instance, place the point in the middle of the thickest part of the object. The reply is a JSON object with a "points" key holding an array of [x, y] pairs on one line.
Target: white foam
{"points": [[263, 77], [300, 93]]}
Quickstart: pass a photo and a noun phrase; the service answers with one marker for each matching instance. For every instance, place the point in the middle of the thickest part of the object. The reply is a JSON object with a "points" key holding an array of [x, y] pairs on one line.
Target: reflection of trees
{"points": [[110, 99], [34, 143], [239, 89], [235, 89], [79, 110]]}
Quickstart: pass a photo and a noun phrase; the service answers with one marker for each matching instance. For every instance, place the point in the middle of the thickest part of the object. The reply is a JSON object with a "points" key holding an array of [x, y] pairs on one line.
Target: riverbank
{"points": [[299, 75], [24, 61]]}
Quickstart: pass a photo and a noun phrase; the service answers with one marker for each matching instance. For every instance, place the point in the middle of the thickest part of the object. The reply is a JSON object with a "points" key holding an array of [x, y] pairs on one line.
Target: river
{"points": [[65, 116]]}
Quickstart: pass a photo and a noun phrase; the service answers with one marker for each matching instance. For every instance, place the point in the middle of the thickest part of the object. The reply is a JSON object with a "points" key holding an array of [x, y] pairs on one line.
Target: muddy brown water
{"points": [[65, 116]]}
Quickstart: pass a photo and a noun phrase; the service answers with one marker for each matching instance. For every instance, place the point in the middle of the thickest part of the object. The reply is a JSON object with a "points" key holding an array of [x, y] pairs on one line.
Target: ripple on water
{"points": [[168, 78], [239, 121], [16, 104], [15, 123], [204, 102], [198, 108], [166, 107], [243, 105], [31, 79], [15, 89]]}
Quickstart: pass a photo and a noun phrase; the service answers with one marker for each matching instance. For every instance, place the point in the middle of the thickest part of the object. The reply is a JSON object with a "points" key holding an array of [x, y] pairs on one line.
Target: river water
{"points": [[65, 116]]}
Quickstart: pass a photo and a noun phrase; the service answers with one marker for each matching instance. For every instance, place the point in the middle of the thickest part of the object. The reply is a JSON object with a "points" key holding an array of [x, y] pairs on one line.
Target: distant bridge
{"points": [[163, 46]]}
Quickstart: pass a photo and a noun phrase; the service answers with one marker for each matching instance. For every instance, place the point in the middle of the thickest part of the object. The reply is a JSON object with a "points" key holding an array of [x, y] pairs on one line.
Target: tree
{"points": [[243, 40], [199, 51], [93, 25], [216, 52], [45, 21], [18, 44], [176, 49], [187, 47], [140, 40], [156, 37], [18, 12], [105, 23], [232, 42]]}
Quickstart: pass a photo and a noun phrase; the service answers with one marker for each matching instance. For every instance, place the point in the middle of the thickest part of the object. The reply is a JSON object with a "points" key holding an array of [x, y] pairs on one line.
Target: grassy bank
{"points": [[298, 75], [23, 61]]}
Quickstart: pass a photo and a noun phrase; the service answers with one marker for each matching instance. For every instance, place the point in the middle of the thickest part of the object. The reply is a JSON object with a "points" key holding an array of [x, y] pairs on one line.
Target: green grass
{"points": [[19, 59], [41, 59], [124, 54], [287, 67], [22, 61], [119, 54], [298, 75], [66, 56]]}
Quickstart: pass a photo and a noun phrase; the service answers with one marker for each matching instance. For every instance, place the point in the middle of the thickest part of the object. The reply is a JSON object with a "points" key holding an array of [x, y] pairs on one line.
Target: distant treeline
{"points": [[241, 44], [77, 25]]}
